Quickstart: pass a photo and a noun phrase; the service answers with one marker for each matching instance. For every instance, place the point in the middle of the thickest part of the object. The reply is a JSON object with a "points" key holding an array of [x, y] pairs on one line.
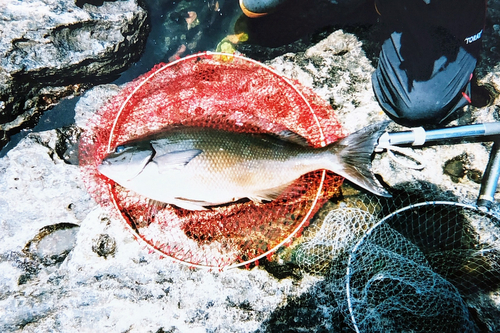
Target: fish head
{"points": [[126, 162]]}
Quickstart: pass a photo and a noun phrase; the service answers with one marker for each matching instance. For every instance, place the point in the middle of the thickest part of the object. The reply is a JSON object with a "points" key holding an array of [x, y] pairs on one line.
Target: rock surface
{"points": [[110, 282], [51, 49]]}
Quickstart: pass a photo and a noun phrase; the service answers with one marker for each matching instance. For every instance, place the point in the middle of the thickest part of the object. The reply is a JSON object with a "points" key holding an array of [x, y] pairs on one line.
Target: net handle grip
{"points": [[419, 136], [491, 175]]}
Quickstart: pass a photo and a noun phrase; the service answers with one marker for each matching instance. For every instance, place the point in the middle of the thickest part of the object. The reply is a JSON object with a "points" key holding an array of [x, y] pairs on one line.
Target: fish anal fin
{"points": [[364, 178], [175, 159], [268, 194], [190, 204]]}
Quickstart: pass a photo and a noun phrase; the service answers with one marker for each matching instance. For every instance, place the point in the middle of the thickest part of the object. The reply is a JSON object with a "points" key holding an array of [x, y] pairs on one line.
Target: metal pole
{"points": [[419, 136], [489, 182]]}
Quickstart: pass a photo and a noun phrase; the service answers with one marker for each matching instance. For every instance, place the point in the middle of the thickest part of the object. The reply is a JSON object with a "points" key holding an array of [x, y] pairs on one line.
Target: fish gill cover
{"points": [[227, 92]]}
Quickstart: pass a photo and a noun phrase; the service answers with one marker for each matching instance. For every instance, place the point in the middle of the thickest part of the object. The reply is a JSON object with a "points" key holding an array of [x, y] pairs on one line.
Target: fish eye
{"points": [[119, 149]]}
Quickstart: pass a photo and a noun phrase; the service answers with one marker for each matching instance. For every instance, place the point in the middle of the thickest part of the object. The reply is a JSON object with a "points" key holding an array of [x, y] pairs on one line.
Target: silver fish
{"points": [[194, 168]]}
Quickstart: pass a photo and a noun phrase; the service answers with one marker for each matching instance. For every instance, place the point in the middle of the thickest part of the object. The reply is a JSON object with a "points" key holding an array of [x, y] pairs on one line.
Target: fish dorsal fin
{"points": [[175, 159], [293, 137], [268, 194]]}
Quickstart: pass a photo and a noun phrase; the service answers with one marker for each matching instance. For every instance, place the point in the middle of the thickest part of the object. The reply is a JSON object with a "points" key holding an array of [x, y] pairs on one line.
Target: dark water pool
{"points": [[192, 25]]}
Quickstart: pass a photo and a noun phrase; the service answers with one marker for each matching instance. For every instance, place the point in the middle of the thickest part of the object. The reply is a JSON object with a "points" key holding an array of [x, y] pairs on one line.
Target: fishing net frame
{"points": [[323, 129]]}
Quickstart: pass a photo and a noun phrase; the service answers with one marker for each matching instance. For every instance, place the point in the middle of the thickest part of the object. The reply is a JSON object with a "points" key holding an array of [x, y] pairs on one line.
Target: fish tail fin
{"points": [[354, 153]]}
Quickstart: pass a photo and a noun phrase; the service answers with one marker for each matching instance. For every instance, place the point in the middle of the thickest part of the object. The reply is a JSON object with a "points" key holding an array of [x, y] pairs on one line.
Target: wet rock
{"points": [[67, 144], [48, 248], [104, 245], [53, 243], [190, 26], [52, 49], [456, 167]]}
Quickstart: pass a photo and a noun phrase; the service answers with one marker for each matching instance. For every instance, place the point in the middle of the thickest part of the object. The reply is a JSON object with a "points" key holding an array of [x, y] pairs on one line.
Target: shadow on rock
{"points": [[314, 311]]}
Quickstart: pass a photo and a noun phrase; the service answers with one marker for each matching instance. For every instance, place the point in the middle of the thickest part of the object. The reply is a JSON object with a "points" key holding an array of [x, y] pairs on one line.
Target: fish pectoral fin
{"points": [[268, 194], [293, 137], [175, 159]]}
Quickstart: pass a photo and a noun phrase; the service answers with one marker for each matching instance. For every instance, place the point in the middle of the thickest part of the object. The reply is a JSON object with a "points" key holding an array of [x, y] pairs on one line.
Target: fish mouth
{"points": [[110, 169]]}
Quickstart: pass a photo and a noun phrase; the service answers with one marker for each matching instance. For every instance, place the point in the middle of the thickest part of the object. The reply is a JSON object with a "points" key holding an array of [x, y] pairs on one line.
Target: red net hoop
{"points": [[223, 91]]}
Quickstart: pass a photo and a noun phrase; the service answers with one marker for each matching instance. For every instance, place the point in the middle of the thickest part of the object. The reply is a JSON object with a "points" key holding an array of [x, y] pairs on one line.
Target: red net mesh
{"points": [[225, 92]]}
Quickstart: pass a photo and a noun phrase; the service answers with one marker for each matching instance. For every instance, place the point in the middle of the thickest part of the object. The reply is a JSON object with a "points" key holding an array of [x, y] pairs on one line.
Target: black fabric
{"points": [[427, 62], [414, 102], [428, 23]]}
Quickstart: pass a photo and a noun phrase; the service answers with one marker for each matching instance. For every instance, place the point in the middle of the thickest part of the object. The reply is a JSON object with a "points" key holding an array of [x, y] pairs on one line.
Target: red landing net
{"points": [[227, 92]]}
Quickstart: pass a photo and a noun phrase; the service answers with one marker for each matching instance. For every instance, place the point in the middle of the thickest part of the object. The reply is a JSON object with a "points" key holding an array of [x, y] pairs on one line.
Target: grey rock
{"points": [[38, 189], [52, 49], [46, 250], [91, 101], [139, 292]]}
